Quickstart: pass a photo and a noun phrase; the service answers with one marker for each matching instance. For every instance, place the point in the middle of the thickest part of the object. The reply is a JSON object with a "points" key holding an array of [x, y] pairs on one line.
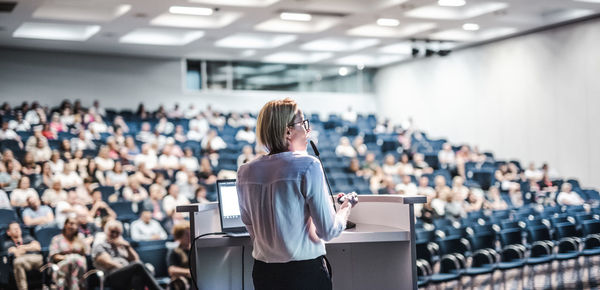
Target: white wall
{"points": [[124, 82], [534, 98]]}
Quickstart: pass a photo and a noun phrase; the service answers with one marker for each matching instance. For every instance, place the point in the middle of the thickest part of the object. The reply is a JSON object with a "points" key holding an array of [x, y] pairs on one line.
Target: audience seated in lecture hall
{"points": [[79, 160]]}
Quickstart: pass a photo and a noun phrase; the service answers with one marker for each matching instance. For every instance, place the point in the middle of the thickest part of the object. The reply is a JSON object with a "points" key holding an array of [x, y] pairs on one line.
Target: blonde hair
{"points": [[179, 229], [273, 119]]}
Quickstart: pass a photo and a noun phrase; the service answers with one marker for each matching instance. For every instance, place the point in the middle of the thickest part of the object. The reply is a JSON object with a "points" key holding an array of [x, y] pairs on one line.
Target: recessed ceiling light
{"points": [[295, 16], [470, 26], [388, 22], [199, 11], [453, 3], [155, 36], [343, 71], [56, 31]]}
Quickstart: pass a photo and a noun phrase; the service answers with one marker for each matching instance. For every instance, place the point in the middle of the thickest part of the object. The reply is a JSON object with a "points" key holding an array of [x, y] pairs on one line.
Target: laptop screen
{"points": [[229, 206]]}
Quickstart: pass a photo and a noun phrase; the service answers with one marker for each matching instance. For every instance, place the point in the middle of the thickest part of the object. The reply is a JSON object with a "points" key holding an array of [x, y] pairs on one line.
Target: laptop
{"points": [[229, 209]]}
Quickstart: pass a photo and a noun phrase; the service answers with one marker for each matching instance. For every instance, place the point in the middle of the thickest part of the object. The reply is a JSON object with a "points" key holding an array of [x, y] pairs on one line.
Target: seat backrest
{"points": [[423, 251], [564, 230], [483, 241], [157, 256], [44, 236], [7, 216], [511, 236], [591, 227], [538, 233], [452, 245], [510, 225]]}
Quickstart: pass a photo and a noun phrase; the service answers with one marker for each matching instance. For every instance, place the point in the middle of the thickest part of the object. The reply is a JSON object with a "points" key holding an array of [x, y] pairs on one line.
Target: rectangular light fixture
{"points": [[388, 22], [470, 26], [295, 16], [452, 3], [56, 31], [198, 11]]}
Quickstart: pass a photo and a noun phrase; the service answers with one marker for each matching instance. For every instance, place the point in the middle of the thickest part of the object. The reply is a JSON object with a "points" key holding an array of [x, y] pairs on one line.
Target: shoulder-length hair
{"points": [[273, 119]]}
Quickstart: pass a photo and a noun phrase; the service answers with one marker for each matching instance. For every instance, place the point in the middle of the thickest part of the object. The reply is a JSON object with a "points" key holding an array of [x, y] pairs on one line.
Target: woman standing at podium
{"points": [[285, 204]]}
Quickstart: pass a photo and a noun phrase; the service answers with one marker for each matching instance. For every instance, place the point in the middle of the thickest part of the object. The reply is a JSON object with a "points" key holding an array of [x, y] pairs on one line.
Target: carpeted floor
{"points": [[573, 274]]}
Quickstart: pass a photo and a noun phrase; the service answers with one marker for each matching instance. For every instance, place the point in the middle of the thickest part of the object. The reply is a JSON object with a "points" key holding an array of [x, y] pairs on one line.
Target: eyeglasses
{"points": [[305, 124]]}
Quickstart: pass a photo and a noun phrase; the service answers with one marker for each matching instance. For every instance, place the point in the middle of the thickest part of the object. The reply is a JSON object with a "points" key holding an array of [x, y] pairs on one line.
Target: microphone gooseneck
{"points": [[314, 147]]}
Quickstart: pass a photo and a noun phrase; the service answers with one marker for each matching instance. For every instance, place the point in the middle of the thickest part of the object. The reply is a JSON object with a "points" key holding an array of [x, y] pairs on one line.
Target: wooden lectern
{"points": [[378, 254]]}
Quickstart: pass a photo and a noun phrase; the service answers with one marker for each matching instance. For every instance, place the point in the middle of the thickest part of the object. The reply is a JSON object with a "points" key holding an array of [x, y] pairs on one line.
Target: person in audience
{"points": [[9, 177], [447, 158], [145, 134], [354, 167], [217, 119], [406, 187], [22, 193], [507, 178], [98, 125], [234, 120], [8, 155], [19, 124], [164, 127], [103, 160], [147, 156], [7, 133], [29, 166], [119, 122], [420, 165], [349, 115], [455, 207], [143, 175], [141, 112], [120, 262], [404, 166], [69, 207], [359, 146], [200, 126], [370, 165], [345, 149], [117, 177], [69, 178], [36, 214], [441, 200], [154, 203], [427, 213], [177, 258], [55, 125], [200, 195], [100, 210], [26, 252], [387, 186], [191, 112], [68, 251], [246, 134], [146, 229], [4, 200], [212, 144], [569, 197], [458, 187], [424, 188], [462, 156], [475, 201], [390, 167], [56, 163], [54, 194], [246, 156], [495, 201], [82, 142], [206, 174], [532, 173], [180, 135], [167, 160], [173, 199], [134, 192], [48, 132]]}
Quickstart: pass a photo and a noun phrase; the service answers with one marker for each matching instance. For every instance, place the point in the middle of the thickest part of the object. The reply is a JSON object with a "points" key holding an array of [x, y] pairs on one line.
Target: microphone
{"points": [[314, 147], [349, 224]]}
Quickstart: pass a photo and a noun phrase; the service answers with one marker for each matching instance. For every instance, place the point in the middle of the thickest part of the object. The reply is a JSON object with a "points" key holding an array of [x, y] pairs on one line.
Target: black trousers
{"points": [[312, 274], [132, 276]]}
